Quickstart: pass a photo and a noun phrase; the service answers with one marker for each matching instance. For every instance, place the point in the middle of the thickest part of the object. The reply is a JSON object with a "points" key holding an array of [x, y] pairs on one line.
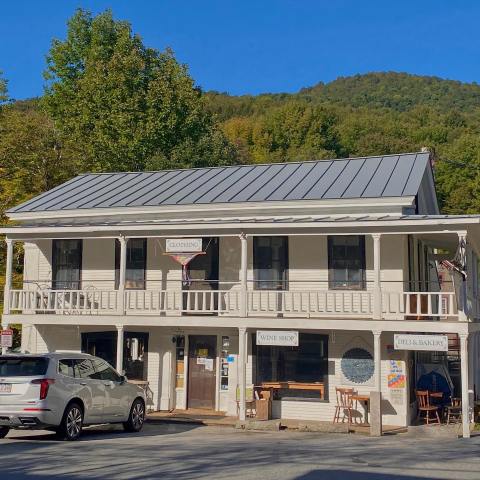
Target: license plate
{"points": [[5, 387]]}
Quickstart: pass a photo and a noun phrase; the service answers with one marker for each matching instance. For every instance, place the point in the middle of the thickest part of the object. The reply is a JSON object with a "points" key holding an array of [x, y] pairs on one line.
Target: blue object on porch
{"points": [[435, 382]]}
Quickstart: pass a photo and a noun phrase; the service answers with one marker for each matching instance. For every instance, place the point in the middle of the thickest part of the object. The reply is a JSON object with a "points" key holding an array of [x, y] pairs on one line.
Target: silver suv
{"points": [[63, 392]]}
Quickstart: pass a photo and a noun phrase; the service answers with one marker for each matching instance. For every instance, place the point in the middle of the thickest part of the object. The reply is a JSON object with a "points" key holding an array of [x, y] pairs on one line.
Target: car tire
{"points": [[71, 427], [136, 419], [4, 431]]}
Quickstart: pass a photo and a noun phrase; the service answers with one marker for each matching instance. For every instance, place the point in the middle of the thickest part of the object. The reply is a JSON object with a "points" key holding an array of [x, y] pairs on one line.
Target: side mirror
{"points": [[123, 379]]}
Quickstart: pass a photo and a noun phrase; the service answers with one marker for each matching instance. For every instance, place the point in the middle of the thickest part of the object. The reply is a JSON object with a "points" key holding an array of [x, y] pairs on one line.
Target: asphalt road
{"points": [[181, 452]]}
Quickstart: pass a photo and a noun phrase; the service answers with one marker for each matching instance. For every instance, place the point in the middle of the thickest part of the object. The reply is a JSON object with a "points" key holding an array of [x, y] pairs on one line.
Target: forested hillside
{"points": [[113, 103]]}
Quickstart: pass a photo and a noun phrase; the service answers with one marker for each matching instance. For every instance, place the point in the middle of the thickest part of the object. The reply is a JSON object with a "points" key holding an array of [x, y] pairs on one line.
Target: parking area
{"points": [[173, 451]]}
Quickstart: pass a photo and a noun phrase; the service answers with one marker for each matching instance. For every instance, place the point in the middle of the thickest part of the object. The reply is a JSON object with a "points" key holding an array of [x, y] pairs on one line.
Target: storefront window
{"points": [[307, 363]]}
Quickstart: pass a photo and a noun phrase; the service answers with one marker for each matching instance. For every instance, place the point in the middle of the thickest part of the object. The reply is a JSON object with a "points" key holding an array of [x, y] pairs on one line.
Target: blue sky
{"points": [[253, 46]]}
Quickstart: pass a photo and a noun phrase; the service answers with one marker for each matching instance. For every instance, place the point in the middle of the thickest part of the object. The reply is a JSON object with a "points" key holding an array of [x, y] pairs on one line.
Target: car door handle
{"points": [[83, 384], [108, 384]]}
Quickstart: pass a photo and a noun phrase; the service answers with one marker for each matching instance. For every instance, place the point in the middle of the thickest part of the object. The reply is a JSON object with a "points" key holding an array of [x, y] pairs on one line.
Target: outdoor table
{"points": [[271, 386], [365, 401]]}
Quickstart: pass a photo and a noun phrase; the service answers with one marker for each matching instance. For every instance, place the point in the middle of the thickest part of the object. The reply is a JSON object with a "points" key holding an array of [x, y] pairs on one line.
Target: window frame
{"points": [[283, 283], [117, 265], [334, 284], [55, 264]]}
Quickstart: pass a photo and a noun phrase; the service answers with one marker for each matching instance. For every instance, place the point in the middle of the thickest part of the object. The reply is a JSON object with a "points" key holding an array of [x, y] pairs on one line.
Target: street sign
{"points": [[6, 338]]}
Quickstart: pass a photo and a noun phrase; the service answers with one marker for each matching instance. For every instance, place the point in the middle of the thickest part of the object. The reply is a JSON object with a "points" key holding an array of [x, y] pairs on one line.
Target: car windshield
{"points": [[23, 366]]}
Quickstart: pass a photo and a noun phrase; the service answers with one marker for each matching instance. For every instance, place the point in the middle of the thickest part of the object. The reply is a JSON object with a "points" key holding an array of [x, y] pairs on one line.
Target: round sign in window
{"points": [[357, 365]]}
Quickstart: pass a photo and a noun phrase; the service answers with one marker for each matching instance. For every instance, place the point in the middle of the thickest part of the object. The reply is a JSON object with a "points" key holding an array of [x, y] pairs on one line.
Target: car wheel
{"points": [[4, 431], [136, 418], [72, 421]]}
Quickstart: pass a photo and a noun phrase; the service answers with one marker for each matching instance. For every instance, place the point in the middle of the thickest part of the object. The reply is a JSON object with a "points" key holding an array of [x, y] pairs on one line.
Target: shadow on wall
{"points": [[351, 475]]}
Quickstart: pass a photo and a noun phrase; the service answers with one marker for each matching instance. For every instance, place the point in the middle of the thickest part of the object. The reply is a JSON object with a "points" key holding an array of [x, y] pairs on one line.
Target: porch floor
{"points": [[213, 418]]}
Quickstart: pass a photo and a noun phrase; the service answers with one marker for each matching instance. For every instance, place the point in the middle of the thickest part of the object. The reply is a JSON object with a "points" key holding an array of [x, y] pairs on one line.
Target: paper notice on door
{"points": [[209, 364], [201, 360]]}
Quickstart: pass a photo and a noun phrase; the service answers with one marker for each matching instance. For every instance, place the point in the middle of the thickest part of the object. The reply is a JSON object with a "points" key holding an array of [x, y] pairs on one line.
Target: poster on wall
{"points": [[396, 377]]}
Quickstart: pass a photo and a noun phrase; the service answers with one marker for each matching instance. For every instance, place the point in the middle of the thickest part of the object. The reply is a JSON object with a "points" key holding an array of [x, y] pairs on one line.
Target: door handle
{"points": [[108, 384], [83, 384]]}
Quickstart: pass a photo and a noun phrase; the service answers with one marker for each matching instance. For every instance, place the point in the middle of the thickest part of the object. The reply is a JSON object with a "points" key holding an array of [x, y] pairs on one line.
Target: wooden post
{"points": [[464, 382], [377, 288], [376, 396], [242, 372], [243, 276], [119, 365], [122, 275]]}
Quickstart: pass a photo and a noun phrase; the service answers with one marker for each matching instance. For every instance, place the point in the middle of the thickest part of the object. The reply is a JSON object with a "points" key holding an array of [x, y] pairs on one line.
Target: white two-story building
{"points": [[342, 256]]}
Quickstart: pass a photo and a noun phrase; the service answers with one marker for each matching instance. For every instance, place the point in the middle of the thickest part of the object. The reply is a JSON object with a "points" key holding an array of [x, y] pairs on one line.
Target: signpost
{"points": [[278, 338], [413, 341], [6, 338]]}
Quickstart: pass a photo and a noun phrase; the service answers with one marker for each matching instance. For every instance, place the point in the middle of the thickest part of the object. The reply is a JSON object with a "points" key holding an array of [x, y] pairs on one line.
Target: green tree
{"points": [[123, 104], [3, 89]]}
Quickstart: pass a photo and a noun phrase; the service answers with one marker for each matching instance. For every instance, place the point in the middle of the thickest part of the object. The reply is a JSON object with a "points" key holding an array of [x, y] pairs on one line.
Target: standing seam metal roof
{"points": [[364, 177]]}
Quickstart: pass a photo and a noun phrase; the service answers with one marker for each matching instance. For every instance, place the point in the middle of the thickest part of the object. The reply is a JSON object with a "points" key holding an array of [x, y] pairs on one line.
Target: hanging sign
{"points": [[6, 338], [183, 245], [410, 341], [279, 338]]}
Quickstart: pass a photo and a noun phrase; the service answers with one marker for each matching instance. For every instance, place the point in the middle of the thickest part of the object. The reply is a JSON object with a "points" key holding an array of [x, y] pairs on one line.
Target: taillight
{"points": [[44, 386]]}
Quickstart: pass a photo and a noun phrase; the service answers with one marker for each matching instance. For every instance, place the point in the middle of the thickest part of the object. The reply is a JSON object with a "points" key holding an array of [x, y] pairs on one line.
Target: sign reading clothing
{"points": [[183, 245], [435, 343], [278, 338]]}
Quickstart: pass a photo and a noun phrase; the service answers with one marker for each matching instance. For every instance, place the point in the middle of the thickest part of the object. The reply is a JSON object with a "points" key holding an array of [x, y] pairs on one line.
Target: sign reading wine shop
{"points": [[410, 341], [278, 338]]}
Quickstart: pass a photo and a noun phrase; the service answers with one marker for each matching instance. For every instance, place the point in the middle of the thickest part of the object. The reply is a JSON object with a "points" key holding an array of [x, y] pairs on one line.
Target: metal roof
{"points": [[366, 177]]}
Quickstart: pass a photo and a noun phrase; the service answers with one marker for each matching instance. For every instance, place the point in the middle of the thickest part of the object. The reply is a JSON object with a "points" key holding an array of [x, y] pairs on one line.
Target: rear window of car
{"points": [[23, 366]]}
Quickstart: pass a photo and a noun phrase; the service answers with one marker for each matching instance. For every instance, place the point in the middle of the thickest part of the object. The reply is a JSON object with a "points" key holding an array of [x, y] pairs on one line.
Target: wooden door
{"points": [[202, 353]]}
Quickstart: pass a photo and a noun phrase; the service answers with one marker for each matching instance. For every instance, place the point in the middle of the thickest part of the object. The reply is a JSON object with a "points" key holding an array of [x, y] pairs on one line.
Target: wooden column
{"points": [[464, 381], [377, 287], [376, 395], [119, 365], [242, 371], [122, 273], [243, 275]]}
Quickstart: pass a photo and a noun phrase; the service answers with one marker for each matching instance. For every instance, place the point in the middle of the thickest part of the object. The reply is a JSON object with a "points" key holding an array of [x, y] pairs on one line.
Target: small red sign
{"points": [[6, 338]]}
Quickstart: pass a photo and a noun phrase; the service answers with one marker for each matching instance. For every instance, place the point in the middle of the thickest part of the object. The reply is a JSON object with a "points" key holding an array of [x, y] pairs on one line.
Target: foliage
{"points": [[123, 104]]}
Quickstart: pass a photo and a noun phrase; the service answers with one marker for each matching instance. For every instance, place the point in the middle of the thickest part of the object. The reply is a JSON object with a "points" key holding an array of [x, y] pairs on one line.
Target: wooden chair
{"points": [[454, 410], [424, 405], [344, 405], [250, 401]]}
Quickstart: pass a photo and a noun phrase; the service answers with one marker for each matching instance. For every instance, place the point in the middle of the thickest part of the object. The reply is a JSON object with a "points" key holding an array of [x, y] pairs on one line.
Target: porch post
{"points": [[119, 365], [243, 275], [376, 395], [464, 381], [8, 276], [377, 288], [242, 373], [122, 272], [462, 307]]}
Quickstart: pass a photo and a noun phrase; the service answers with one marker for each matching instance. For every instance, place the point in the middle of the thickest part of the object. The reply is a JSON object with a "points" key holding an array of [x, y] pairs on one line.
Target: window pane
{"points": [[103, 371], [270, 262], [65, 367], [23, 367], [83, 368], [136, 263], [66, 264], [346, 261]]}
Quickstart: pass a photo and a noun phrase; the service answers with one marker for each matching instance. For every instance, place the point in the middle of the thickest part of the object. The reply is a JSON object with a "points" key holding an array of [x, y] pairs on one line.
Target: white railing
{"points": [[420, 305], [295, 303], [223, 302], [64, 301], [310, 303]]}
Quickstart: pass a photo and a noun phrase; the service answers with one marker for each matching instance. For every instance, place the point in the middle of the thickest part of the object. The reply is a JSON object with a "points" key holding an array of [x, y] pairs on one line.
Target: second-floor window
{"points": [[66, 264], [270, 263], [346, 262], [136, 263]]}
